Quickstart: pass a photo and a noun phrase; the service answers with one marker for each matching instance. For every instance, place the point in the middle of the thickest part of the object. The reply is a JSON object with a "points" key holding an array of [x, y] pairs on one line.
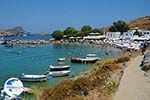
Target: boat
{"points": [[31, 46], [62, 59], [59, 67], [60, 70], [33, 78], [59, 73], [90, 58]]}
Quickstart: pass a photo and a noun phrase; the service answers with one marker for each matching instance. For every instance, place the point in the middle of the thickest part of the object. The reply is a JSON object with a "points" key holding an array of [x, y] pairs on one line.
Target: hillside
{"points": [[16, 31], [142, 23]]}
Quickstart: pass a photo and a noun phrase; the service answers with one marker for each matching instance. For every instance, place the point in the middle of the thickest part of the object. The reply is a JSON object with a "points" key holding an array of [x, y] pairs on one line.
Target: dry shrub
{"points": [[112, 67], [136, 53], [80, 87], [68, 89], [35, 91], [122, 60], [101, 63]]}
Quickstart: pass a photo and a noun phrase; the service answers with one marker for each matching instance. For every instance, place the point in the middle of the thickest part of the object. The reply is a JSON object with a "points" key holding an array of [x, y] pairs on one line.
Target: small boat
{"points": [[59, 67], [60, 70], [20, 52], [90, 58], [62, 59], [59, 73], [33, 78], [31, 46]]}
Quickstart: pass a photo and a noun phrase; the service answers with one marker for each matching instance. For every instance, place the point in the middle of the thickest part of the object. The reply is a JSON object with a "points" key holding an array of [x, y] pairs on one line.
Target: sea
{"points": [[36, 60]]}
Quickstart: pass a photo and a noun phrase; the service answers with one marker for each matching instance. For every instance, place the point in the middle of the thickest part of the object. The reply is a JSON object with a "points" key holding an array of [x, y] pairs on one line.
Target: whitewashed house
{"points": [[112, 35], [145, 33], [128, 35], [94, 36]]}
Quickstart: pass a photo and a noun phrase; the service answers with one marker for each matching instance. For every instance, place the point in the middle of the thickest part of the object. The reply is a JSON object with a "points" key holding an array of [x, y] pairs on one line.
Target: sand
{"points": [[134, 84]]}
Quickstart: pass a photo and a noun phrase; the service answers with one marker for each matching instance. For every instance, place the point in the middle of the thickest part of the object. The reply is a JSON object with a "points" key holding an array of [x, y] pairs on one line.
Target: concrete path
{"points": [[134, 84]]}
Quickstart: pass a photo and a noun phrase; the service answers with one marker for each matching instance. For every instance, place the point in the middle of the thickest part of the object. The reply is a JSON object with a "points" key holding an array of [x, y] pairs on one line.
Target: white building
{"points": [[127, 35], [94, 36], [145, 33], [113, 35]]}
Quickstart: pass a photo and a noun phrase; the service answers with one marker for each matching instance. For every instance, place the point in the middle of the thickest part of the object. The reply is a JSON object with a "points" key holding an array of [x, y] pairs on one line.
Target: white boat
{"points": [[90, 58], [59, 73], [33, 78], [61, 59], [60, 70], [31, 46]]}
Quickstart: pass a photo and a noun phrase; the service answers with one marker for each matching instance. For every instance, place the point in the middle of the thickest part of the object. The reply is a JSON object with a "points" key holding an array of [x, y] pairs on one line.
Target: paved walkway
{"points": [[134, 85]]}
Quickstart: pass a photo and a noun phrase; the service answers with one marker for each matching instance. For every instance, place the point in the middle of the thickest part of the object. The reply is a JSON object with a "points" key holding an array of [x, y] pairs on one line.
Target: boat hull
{"points": [[78, 60], [33, 79], [59, 73]]}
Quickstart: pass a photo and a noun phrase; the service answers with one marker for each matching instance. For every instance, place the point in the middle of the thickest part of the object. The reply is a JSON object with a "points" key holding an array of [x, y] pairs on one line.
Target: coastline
{"points": [[110, 73], [115, 76]]}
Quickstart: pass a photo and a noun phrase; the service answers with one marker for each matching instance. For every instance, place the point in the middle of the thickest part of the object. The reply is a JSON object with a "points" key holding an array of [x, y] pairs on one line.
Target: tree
{"points": [[57, 34], [86, 29], [119, 26], [137, 33], [97, 31], [70, 31]]}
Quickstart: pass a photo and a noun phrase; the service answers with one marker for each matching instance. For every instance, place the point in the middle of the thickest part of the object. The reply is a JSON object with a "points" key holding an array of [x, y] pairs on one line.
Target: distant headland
{"points": [[16, 31]]}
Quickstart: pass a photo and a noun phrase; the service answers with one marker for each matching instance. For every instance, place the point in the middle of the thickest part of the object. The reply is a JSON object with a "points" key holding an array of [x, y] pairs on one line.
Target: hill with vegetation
{"points": [[142, 23]]}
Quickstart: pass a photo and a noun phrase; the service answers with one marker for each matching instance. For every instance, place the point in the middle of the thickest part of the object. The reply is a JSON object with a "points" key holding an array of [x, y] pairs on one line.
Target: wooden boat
{"points": [[90, 58], [60, 70], [33, 78]]}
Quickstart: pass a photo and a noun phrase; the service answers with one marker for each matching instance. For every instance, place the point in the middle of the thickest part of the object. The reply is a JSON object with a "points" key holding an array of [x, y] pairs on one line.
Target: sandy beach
{"points": [[134, 84]]}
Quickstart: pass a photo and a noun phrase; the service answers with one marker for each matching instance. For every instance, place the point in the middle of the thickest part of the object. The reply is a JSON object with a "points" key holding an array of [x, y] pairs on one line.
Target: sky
{"points": [[49, 15]]}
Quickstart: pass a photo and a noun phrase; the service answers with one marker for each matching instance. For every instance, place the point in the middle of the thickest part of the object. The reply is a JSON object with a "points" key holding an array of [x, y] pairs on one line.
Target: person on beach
{"points": [[144, 46], [121, 74]]}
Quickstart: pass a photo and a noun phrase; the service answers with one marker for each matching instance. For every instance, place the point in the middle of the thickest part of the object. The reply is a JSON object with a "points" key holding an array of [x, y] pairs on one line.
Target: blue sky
{"points": [[49, 15]]}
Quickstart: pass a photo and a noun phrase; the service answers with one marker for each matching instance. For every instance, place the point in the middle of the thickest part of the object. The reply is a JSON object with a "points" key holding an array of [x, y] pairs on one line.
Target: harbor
{"points": [[37, 60], [74, 50]]}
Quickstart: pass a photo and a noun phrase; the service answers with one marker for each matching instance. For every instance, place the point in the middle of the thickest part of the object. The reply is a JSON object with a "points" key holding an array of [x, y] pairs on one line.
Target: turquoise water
{"points": [[36, 60]]}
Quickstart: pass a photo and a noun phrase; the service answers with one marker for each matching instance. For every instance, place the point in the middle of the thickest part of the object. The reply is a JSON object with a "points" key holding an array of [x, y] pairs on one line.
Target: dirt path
{"points": [[134, 85]]}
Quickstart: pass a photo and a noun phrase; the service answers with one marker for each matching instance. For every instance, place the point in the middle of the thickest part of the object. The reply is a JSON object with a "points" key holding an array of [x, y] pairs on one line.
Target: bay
{"points": [[37, 59]]}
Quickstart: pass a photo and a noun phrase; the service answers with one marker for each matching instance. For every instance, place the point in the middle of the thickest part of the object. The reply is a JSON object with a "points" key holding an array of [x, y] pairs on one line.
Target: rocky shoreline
{"points": [[25, 41]]}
